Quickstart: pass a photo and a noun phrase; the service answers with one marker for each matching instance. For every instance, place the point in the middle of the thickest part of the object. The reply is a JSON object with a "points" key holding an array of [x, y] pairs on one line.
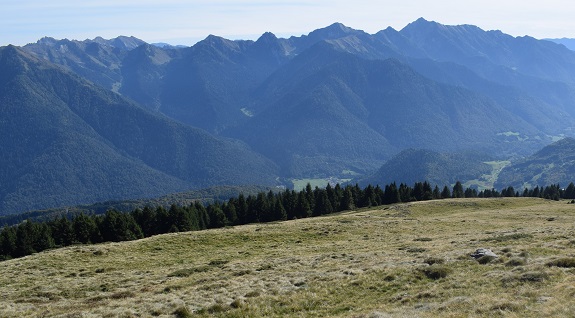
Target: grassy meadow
{"points": [[405, 260]]}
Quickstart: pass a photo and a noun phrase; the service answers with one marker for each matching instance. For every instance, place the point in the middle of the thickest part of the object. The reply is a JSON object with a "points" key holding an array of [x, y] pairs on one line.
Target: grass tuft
{"points": [[516, 261], [534, 276], [510, 237], [185, 272], [434, 260], [237, 303], [506, 306], [123, 295], [254, 293], [563, 262], [218, 262], [486, 259], [216, 309], [182, 312], [436, 271]]}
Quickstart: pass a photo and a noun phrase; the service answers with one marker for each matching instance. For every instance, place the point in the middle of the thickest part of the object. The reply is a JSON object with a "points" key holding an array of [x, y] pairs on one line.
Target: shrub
{"points": [[516, 261], [123, 294], [218, 262], [185, 272], [254, 293], [563, 262], [436, 271], [507, 306], [182, 312], [486, 259], [216, 308], [434, 260], [510, 237], [237, 303], [534, 277]]}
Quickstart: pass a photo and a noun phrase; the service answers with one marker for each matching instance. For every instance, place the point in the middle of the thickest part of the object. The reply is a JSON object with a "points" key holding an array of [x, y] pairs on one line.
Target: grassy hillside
{"points": [[369, 263]]}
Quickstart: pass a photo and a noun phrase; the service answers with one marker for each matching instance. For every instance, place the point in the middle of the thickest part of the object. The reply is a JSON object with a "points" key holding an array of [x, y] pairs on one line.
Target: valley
{"points": [[125, 122], [178, 159]]}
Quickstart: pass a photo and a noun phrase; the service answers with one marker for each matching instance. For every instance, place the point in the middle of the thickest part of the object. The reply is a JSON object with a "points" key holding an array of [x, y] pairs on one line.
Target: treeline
{"points": [[30, 237]]}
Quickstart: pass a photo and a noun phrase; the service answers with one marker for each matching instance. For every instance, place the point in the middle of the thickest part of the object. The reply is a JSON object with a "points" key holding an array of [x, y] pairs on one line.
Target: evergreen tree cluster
{"points": [[30, 237]]}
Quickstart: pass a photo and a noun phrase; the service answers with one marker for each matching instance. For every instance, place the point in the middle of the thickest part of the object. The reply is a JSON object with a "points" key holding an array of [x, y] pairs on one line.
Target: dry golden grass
{"points": [[370, 263]]}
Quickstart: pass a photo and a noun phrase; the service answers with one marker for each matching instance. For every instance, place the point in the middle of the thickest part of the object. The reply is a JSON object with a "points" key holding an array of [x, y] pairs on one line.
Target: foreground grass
{"points": [[369, 263]]}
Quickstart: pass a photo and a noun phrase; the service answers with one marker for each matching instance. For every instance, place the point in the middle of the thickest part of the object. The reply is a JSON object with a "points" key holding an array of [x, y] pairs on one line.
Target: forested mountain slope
{"points": [[64, 140]]}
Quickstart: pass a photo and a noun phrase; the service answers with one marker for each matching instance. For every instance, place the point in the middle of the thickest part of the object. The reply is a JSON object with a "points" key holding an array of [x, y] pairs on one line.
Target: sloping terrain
{"points": [[554, 164], [441, 169], [368, 263], [322, 105], [66, 141]]}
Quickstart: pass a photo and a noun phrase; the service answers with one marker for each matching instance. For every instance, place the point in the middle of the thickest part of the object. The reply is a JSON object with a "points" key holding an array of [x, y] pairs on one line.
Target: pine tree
{"points": [[217, 216], [458, 190], [63, 231], [470, 193], [280, 213], [8, 242], [303, 209], [242, 209], [180, 219], [445, 193], [162, 224], [332, 196], [347, 200], [203, 217], [261, 209], [570, 191], [85, 229], [436, 193], [230, 212], [118, 227], [309, 196], [405, 193], [391, 194], [43, 239], [147, 220], [25, 235], [418, 191], [289, 199], [322, 204]]}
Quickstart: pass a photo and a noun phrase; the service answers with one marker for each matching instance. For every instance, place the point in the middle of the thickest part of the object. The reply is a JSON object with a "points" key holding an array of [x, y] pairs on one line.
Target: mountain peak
{"points": [[218, 43], [267, 37], [12, 54], [340, 27], [126, 42], [333, 31], [420, 24], [47, 41], [422, 20], [424, 26]]}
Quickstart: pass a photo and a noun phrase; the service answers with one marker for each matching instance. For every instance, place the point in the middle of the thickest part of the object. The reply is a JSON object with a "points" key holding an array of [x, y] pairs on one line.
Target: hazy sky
{"points": [[186, 22]]}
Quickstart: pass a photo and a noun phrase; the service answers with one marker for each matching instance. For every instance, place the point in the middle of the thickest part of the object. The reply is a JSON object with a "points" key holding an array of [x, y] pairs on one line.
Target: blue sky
{"points": [[186, 22]]}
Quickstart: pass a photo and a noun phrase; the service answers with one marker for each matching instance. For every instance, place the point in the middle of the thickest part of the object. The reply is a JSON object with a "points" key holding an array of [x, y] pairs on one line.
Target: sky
{"points": [[187, 22]]}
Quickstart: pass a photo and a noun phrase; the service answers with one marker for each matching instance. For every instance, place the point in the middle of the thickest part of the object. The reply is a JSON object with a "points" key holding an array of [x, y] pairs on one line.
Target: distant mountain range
{"points": [[569, 43], [554, 164], [441, 169], [65, 141], [93, 120]]}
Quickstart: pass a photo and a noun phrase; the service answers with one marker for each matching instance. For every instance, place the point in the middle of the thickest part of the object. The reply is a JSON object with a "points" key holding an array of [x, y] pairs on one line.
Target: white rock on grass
{"points": [[480, 252]]}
